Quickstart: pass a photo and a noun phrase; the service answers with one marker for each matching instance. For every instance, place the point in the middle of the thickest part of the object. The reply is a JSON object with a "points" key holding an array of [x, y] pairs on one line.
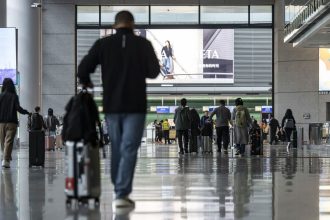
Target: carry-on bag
{"points": [[256, 141], [207, 144], [82, 180], [50, 142], [36, 148], [59, 142]]}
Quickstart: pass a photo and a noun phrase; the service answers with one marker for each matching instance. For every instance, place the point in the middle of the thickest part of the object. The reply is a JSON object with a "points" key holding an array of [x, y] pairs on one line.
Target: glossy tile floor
{"points": [[281, 185]]}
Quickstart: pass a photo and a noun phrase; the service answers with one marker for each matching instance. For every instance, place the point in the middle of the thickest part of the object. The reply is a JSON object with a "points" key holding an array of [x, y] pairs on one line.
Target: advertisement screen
{"points": [[8, 54], [191, 55], [324, 69]]}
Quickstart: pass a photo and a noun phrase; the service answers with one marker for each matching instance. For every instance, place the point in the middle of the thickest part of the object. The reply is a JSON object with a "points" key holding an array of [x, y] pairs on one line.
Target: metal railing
{"points": [[305, 15]]}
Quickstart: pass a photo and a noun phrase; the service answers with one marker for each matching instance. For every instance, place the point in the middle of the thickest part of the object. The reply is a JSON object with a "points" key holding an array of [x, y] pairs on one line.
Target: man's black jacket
{"points": [[126, 61]]}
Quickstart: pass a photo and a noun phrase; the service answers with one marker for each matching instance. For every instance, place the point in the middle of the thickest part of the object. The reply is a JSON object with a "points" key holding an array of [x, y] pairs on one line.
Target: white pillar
{"points": [[27, 21]]}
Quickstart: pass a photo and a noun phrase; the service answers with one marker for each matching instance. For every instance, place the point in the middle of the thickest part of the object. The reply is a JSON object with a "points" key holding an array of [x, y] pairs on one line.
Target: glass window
{"points": [[140, 13], [260, 14], [88, 15], [224, 14], [174, 14]]}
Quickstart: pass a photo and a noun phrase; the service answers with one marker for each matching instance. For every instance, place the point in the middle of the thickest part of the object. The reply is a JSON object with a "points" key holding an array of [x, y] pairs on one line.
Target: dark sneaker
{"points": [[181, 152], [237, 153], [124, 203]]}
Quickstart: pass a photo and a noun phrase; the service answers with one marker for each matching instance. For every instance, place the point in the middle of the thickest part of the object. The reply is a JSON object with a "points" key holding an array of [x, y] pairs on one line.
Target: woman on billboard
{"points": [[167, 59]]}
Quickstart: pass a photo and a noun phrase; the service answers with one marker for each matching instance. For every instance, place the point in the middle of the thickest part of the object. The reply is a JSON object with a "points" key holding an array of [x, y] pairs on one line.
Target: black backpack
{"points": [[36, 122], [81, 120]]}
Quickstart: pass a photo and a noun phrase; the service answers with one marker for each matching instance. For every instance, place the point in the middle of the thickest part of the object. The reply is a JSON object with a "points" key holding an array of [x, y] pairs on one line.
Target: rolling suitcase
{"points": [[50, 143], [256, 141], [59, 142], [207, 144], [36, 148], [82, 180]]}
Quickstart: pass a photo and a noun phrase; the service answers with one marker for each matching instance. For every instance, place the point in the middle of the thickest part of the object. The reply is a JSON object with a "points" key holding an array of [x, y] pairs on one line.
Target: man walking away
{"points": [[242, 119], [166, 131], [182, 125], [222, 125], [37, 121], [274, 125], [126, 61], [51, 122]]}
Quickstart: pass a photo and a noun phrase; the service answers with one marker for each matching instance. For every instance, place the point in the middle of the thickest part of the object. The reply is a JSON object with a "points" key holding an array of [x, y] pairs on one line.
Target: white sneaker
{"points": [[124, 203], [5, 164]]}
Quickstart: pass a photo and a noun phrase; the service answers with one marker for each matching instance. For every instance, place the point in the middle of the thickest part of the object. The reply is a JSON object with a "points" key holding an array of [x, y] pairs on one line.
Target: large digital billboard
{"points": [[8, 56], [324, 69], [191, 55]]}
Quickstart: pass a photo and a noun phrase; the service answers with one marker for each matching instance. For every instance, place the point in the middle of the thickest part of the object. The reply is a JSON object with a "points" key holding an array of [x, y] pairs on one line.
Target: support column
{"points": [[27, 21], [296, 76], [3, 13]]}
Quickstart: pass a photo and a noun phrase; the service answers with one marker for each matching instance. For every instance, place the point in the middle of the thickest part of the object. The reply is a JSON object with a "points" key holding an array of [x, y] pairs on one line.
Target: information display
{"points": [[324, 69], [8, 64], [191, 55]]}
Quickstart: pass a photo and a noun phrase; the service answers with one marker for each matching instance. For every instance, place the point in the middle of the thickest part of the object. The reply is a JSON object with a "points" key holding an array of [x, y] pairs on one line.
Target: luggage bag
{"points": [[207, 144], [82, 180], [59, 142], [36, 148], [256, 142], [50, 143]]}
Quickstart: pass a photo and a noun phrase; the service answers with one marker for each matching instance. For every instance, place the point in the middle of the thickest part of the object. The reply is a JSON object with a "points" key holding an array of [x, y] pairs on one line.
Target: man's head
{"points": [[206, 113], [222, 102], [50, 112], [184, 102], [37, 109], [124, 19]]}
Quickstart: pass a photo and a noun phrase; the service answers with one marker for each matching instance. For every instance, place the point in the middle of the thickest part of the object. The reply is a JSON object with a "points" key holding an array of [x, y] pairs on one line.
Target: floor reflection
{"points": [[281, 185]]}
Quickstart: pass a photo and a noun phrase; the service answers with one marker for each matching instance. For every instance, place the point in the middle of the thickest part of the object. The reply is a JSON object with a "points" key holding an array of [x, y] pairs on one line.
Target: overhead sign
{"points": [[163, 109]]}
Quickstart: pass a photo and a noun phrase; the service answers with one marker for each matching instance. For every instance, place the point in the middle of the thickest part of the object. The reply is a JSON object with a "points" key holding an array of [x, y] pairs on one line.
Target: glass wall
{"points": [[177, 15], [228, 47]]}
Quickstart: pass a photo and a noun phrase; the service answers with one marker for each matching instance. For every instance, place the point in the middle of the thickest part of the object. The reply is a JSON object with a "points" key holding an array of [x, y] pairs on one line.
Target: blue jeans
{"points": [[125, 131]]}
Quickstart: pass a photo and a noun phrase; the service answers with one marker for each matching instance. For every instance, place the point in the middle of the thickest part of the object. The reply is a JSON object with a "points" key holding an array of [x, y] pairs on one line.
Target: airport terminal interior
{"points": [[273, 54]]}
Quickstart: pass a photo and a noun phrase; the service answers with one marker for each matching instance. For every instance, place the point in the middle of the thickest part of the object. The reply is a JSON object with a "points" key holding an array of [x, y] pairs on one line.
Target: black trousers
{"points": [[273, 135], [288, 132], [167, 136], [222, 136], [183, 136]]}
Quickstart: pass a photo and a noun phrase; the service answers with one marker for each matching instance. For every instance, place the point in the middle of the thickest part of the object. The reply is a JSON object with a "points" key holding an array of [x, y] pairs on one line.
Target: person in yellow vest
{"points": [[166, 131]]}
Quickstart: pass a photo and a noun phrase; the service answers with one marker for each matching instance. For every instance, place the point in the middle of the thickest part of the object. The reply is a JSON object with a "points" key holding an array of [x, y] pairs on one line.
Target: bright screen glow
{"points": [[8, 67], [324, 70], [191, 55]]}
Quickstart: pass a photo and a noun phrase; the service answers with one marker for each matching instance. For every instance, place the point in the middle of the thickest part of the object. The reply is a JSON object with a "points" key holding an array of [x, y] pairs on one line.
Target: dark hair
{"points": [[37, 108], [222, 102], [50, 111], [124, 17], [238, 101], [288, 113], [169, 43], [8, 86], [184, 102]]}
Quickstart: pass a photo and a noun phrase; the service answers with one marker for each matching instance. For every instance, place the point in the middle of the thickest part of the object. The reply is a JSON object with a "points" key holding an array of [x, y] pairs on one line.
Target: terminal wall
{"points": [[296, 77]]}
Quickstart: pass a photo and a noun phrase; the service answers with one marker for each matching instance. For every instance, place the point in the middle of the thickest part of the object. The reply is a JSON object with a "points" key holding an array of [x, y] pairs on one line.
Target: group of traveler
{"points": [[162, 130], [9, 106], [189, 127]]}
